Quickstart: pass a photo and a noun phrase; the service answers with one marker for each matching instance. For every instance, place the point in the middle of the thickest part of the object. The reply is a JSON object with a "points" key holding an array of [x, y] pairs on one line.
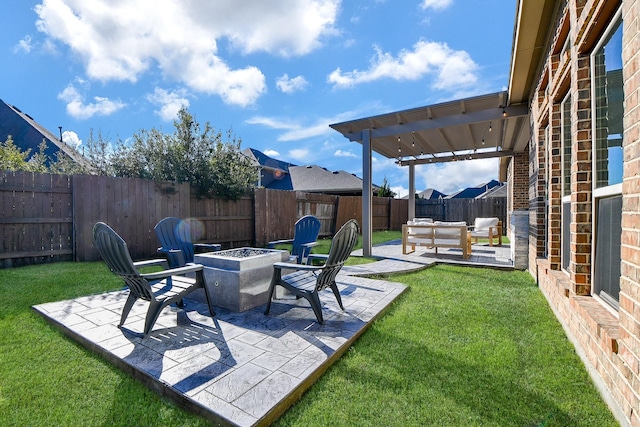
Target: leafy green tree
{"points": [[233, 171], [39, 161], [385, 189], [11, 157], [193, 153], [147, 156], [98, 152]]}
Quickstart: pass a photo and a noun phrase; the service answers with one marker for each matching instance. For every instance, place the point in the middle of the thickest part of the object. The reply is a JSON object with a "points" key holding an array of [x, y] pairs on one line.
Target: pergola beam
{"points": [[456, 157], [441, 122]]}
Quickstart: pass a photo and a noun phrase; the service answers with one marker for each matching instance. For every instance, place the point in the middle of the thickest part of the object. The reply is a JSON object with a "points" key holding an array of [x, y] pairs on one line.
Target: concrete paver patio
{"points": [[240, 369], [247, 368]]}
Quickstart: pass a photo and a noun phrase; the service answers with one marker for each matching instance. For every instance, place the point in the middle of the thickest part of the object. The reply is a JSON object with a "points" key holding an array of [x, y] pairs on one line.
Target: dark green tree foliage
{"points": [[193, 154], [233, 172], [12, 158], [98, 153], [385, 189]]}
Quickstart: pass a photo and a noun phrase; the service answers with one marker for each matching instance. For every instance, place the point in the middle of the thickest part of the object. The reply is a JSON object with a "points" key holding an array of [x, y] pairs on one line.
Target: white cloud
{"points": [[294, 131], [170, 102], [347, 153], [451, 177], [271, 153], [400, 191], [452, 68], [77, 108], [382, 164], [436, 4], [71, 138], [23, 45], [300, 154], [123, 40], [290, 85]]}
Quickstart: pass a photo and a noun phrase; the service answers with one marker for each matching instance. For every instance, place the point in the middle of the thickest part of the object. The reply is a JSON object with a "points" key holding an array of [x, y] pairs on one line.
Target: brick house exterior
{"points": [[576, 64]]}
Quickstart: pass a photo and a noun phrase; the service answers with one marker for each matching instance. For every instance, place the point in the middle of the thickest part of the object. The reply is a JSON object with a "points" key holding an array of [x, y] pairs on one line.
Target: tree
{"points": [[233, 171], [385, 189], [193, 154], [98, 153], [11, 157]]}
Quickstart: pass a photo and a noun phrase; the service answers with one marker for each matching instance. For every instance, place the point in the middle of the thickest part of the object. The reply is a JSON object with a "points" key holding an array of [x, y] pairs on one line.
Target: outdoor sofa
{"points": [[426, 232]]}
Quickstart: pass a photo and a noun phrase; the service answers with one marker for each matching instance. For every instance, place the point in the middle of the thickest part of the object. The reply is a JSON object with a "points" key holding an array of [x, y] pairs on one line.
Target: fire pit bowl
{"points": [[238, 279]]}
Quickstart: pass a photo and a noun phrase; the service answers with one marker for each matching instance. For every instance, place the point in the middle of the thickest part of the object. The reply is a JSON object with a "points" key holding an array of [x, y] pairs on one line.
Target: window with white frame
{"points": [[608, 109]]}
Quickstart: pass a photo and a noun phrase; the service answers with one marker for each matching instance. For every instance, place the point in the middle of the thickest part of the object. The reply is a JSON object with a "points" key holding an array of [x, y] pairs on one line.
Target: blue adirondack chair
{"points": [[308, 280], [174, 235], [160, 289], [305, 234]]}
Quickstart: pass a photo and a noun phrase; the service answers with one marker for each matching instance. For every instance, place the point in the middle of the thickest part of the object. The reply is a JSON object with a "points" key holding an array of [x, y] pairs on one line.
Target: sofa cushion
{"points": [[420, 231], [423, 220], [450, 230], [485, 223]]}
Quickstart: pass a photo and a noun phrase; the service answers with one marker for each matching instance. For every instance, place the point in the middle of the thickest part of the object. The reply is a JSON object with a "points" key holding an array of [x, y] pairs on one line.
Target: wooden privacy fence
{"points": [[36, 216], [463, 209], [45, 218], [277, 211], [48, 218]]}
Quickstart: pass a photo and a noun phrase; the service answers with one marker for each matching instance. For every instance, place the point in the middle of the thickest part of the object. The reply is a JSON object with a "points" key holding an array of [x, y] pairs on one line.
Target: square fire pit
{"points": [[239, 279]]}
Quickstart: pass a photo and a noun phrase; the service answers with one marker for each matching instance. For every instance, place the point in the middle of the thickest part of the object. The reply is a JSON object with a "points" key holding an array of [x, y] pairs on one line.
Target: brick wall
{"points": [[520, 181], [629, 312], [554, 188], [581, 176], [609, 342], [537, 191]]}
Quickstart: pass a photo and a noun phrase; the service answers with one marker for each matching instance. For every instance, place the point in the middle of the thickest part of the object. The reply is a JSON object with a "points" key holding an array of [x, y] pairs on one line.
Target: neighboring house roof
{"points": [[274, 173], [473, 192], [268, 163], [278, 175], [498, 191], [27, 134], [428, 194], [316, 179], [431, 194]]}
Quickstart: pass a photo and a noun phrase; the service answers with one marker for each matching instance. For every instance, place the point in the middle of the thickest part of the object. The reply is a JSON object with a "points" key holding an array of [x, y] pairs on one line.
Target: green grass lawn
{"points": [[462, 347]]}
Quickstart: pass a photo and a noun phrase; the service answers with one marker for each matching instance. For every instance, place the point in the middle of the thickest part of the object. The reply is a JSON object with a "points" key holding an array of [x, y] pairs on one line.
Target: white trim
{"points": [[608, 191]]}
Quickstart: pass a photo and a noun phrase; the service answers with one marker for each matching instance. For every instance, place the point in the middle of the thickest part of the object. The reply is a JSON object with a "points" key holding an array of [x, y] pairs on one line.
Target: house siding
{"points": [[608, 339]]}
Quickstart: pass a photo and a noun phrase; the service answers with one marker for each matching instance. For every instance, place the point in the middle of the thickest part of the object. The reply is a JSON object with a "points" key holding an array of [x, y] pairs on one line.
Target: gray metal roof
{"points": [[476, 127]]}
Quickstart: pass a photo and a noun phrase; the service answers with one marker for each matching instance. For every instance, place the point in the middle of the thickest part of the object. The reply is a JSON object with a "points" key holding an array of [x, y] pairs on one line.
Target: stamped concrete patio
{"points": [[248, 368]]}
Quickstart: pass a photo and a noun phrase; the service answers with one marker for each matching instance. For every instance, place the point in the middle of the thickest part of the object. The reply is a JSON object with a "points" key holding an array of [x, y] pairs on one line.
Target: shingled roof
{"points": [[27, 134], [473, 192], [316, 179], [274, 173], [279, 175]]}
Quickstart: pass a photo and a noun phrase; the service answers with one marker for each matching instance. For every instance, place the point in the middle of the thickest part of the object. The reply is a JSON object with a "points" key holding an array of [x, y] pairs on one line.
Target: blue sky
{"points": [[276, 72]]}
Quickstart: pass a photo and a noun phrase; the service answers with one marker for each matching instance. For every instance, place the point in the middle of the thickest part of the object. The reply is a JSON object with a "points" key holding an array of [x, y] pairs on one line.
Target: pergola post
{"points": [[412, 192], [367, 193]]}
